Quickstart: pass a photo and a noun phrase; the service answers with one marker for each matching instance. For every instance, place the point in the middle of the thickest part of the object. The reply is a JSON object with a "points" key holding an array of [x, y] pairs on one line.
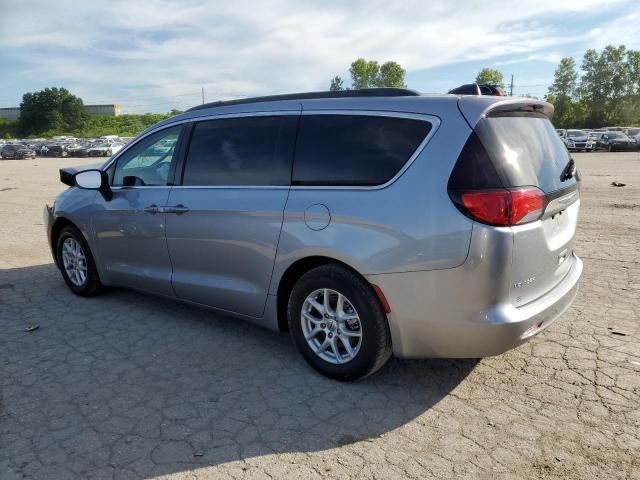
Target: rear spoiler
{"points": [[475, 108]]}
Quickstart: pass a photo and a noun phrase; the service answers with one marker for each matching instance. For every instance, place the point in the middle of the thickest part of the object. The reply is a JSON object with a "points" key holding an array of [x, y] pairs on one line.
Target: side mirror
{"points": [[89, 179], [94, 180]]}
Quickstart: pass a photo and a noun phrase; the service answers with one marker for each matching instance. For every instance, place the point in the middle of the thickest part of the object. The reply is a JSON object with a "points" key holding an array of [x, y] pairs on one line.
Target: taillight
{"points": [[527, 205], [503, 207]]}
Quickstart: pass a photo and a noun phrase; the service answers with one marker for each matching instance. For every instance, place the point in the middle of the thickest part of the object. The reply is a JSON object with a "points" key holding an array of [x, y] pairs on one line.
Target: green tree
{"points": [[633, 60], [51, 109], [370, 74], [8, 129], [364, 73], [562, 92], [490, 76], [336, 84], [605, 84], [391, 75]]}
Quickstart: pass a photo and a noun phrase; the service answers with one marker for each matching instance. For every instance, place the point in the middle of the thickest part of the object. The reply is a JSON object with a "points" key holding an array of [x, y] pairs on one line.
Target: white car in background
{"points": [[105, 149], [577, 140], [633, 133]]}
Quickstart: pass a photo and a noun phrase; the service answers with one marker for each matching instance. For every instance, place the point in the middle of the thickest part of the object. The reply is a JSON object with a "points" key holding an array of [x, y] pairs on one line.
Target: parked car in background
{"points": [[633, 133], [56, 150], [595, 137], [105, 149], [617, 141], [16, 152], [306, 213], [115, 148], [577, 140], [561, 132], [78, 151], [477, 89], [109, 138]]}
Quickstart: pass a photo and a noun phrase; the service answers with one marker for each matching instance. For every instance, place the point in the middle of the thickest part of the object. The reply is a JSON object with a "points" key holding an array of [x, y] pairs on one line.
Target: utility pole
{"points": [[203, 91], [511, 87]]}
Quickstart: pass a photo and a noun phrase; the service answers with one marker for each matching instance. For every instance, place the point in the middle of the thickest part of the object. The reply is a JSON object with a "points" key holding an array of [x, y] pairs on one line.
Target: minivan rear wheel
{"points": [[76, 263], [338, 324]]}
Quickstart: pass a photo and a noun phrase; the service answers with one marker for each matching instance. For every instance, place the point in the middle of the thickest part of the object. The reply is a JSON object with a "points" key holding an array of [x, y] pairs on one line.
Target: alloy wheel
{"points": [[331, 326], [74, 261]]}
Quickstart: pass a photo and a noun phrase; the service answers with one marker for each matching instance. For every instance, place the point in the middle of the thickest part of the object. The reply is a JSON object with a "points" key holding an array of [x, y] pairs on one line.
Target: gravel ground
{"points": [[131, 386]]}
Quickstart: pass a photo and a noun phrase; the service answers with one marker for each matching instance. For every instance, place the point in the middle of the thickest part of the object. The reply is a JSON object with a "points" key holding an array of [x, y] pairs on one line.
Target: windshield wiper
{"points": [[569, 170]]}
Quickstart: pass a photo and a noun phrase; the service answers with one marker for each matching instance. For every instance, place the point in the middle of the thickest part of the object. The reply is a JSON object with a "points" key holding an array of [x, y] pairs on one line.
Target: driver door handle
{"points": [[152, 209], [177, 209]]}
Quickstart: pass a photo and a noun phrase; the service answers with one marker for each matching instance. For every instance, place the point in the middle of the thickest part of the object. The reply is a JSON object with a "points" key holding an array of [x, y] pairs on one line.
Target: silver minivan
{"points": [[365, 222]]}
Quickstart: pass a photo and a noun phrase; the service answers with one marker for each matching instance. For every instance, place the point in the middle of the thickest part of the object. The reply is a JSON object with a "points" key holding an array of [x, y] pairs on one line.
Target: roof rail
{"points": [[362, 92]]}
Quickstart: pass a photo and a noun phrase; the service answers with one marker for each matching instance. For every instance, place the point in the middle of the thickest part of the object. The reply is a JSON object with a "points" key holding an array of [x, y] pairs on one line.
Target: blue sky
{"points": [[157, 54]]}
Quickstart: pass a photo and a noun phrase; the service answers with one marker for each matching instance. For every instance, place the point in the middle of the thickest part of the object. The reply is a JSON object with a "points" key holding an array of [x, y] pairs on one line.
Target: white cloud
{"points": [[624, 30], [159, 49], [552, 57]]}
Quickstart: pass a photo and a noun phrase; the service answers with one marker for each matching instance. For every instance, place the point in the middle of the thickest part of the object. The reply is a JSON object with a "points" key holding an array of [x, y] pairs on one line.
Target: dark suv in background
{"points": [[16, 152], [618, 142], [477, 89]]}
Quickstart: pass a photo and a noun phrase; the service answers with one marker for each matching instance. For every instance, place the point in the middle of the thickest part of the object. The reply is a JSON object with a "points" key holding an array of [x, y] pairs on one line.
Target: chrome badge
{"points": [[524, 283]]}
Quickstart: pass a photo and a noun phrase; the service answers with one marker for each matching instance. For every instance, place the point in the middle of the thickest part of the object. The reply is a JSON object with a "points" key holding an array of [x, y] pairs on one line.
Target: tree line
{"points": [[604, 91], [55, 111]]}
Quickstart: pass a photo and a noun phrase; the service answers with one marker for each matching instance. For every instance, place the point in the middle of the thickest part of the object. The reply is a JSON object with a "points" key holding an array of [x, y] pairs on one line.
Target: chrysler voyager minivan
{"points": [[364, 222]]}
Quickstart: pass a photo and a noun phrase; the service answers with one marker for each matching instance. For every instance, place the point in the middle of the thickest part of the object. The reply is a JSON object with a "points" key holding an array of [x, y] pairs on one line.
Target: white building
{"points": [[106, 110]]}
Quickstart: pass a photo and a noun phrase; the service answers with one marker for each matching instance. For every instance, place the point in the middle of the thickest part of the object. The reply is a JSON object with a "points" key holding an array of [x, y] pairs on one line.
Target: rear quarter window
{"points": [[354, 149]]}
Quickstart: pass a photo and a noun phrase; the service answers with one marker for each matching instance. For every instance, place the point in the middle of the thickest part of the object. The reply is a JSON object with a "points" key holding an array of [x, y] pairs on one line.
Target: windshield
{"points": [[575, 133]]}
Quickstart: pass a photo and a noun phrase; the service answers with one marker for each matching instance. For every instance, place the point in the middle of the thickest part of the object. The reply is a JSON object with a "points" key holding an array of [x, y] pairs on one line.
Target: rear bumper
{"points": [[433, 316]]}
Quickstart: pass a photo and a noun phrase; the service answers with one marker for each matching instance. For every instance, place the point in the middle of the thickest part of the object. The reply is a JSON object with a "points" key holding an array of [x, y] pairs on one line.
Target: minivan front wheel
{"points": [[76, 263], [338, 324]]}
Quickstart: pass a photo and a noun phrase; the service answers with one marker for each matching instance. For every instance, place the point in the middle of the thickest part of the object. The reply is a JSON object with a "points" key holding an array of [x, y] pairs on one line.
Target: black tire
{"points": [[375, 348], [91, 285]]}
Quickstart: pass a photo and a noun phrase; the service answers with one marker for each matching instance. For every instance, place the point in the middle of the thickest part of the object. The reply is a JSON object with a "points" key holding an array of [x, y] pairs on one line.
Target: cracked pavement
{"points": [[131, 386]]}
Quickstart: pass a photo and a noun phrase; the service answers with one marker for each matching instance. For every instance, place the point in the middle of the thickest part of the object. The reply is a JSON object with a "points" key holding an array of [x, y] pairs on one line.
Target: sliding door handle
{"points": [[177, 209]]}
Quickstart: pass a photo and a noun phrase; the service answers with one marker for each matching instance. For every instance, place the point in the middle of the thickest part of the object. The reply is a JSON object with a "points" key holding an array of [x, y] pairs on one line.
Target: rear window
{"points": [[354, 149], [470, 89], [575, 133], [525, 150]]}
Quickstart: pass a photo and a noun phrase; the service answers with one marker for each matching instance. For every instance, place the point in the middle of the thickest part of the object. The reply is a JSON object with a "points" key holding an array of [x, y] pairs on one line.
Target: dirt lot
{"points": [[130, 386]]}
